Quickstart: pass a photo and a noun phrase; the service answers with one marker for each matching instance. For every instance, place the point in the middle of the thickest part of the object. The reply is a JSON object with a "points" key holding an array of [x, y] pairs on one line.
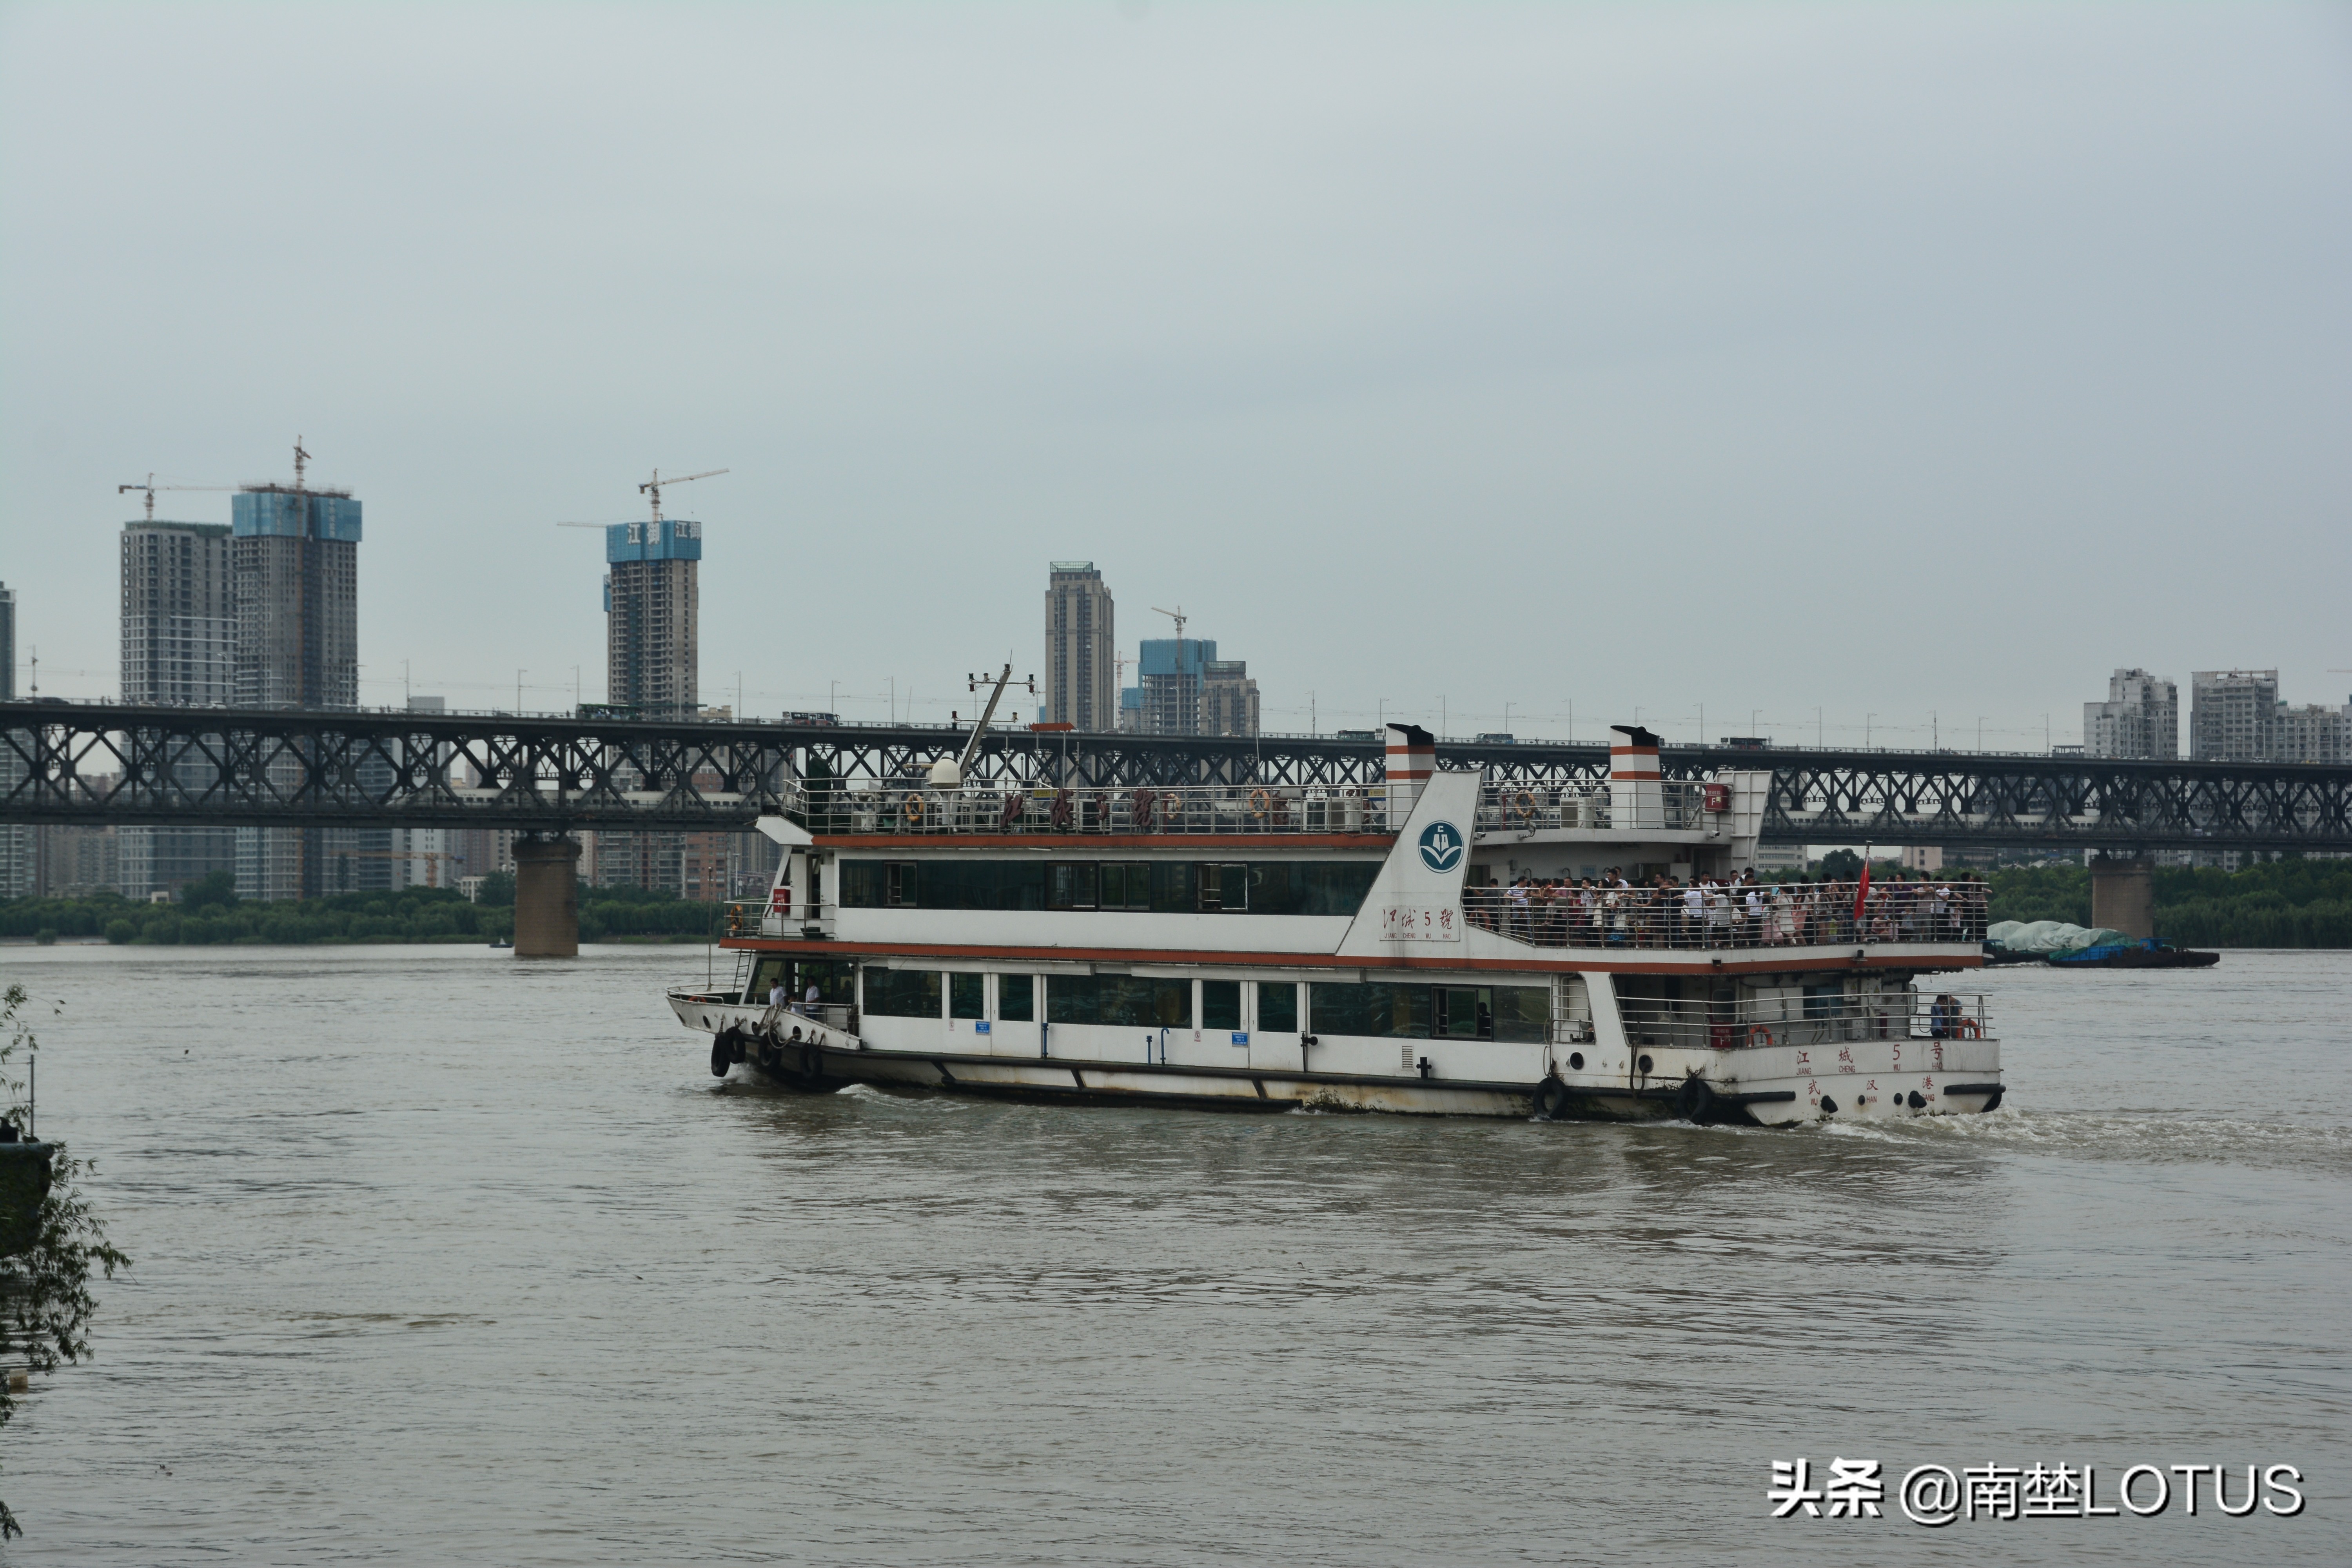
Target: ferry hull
{"points": [[1766, 1086]]}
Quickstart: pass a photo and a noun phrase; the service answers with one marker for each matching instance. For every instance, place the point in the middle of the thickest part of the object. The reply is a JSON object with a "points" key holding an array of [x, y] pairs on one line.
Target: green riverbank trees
{"points": [[209, 913]]}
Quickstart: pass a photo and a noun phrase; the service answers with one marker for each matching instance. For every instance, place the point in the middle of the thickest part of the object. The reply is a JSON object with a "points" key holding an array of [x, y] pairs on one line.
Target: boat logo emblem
{"points": [[1441, 846]]}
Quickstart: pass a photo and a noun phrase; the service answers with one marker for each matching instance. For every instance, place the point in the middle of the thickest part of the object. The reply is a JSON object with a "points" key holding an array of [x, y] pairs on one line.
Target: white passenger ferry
{"points": [[1408, 948]]}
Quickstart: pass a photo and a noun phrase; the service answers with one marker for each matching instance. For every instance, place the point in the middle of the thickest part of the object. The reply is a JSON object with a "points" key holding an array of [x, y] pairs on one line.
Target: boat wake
{"points": [[2154, 1136]]}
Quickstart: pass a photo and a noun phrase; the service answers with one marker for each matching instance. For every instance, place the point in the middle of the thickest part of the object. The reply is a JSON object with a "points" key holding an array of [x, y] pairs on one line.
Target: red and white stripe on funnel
{"points": [[1636, 795], [1634, 755], [1412, 757]]}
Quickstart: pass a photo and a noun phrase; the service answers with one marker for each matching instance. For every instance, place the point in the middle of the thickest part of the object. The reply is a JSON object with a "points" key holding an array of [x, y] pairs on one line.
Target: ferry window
{"points": [[765, 978], [1020, 884], [1277, 1007], [1522, 1013], [902, 993], [1221, 1004], [1125, 887], [1127, 1001], [1136, 1002], [1071, 998], [1224, 887], [1464, 1013], [1822, 1001], [1016, 998], [1338, 887], [1278, 887], [1171, 888], [964, 995], [1070, 886], [900, 877], [958, 885], [861, 884], [1309, 887], [835, 981], [1380, 1012]]}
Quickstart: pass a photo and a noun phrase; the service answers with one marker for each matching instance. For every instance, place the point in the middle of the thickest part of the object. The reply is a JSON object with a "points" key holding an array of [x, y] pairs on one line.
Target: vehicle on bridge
{"points": [[1402, 947]]}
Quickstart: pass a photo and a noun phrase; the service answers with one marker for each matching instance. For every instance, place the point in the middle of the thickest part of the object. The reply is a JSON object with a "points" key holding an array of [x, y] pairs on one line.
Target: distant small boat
{"points": [[501, 943], [2148, 953]]}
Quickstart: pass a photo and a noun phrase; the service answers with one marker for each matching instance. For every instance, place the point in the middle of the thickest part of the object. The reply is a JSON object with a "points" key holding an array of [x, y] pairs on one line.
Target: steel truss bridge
{"points": [[98, 764]]}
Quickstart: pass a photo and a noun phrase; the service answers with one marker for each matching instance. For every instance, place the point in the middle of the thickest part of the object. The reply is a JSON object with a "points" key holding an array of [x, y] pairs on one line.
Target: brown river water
{"points": [[447, 1258]]}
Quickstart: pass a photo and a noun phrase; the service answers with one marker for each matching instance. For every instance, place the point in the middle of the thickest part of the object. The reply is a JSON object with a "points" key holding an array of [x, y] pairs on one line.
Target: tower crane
{"points": [[151, 487], [1176, 615], [653, 486]]}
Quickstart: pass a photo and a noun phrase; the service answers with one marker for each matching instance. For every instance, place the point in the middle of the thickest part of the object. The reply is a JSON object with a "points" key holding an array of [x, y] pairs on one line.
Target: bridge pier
{"points": [[547, 898], [2122, 894]]}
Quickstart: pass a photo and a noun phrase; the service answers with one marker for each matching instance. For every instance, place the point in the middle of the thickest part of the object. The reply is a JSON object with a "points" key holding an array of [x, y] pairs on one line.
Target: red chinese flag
{"points": [[1861, 889]]}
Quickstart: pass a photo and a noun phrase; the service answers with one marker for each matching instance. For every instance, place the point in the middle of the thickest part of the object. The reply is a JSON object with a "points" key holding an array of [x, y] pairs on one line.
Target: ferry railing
{"points": [[1644, 806], [915, 809], [1784, 914], [1805, 1020], [758, 917]]}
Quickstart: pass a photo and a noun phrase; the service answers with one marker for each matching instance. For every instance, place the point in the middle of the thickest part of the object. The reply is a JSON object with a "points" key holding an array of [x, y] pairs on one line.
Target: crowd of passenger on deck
{"points": [[1740, 910]]}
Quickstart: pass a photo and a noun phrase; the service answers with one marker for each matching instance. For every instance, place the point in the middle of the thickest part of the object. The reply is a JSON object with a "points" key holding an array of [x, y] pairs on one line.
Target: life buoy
{"points": [[1970, 1029], [1261, 801], [913, 809], [1758, 1034], [1524, 802]]}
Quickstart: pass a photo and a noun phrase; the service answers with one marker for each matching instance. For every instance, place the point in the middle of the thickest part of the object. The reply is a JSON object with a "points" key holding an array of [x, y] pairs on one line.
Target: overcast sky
{"points": [[1871, 362]]}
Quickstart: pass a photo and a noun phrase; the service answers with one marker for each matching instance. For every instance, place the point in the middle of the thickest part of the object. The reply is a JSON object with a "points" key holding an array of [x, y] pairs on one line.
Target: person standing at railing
{"points": [[776, 992]]}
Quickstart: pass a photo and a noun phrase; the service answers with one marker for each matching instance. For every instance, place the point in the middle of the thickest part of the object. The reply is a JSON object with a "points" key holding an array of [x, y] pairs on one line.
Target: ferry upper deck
{"points": [[1431, 871]]}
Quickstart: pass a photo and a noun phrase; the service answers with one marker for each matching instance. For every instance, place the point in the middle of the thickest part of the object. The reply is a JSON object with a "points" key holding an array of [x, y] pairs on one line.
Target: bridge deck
{"points": [[104, 762]]}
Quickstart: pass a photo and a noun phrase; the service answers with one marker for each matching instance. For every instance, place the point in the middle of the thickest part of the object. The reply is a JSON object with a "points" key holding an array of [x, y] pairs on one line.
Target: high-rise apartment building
{"points": [[294, 575], [294, 561], [2313, 734], [2233, 715], [653, 606], [179, 615], [179, 650], [1081, 679], [1170, 671], [2140, 718], [1228, 698]]}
